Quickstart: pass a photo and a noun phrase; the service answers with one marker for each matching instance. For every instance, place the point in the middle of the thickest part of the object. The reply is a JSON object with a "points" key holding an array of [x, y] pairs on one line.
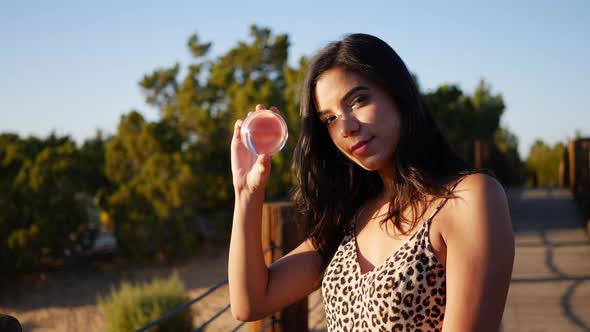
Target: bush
{"points": [[133, 306], [45, 215]]}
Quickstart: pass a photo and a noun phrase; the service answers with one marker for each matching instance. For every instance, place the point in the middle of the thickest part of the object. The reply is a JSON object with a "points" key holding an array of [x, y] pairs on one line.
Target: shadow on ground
{"points": [[547, 219]]}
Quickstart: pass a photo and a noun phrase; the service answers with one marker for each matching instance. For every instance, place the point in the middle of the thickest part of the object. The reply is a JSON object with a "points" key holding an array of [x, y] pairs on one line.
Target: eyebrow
{"points": [[347, 95]]}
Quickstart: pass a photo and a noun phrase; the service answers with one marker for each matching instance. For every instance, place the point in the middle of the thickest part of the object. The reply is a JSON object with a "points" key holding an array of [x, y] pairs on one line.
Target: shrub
{"points": [[45, 216], [133, 306]]}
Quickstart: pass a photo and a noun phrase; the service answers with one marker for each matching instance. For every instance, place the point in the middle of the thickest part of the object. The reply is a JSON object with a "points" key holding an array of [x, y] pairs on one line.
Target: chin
{"points": [[372, 165]]}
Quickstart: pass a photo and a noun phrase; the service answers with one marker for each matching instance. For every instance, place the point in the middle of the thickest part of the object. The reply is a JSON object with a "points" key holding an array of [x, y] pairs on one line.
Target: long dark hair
{"points": [[331, 188]]}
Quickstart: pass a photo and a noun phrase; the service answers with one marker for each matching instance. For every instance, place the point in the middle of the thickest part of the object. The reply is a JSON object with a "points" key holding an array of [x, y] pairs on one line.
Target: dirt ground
{"points": [[67, 300]]}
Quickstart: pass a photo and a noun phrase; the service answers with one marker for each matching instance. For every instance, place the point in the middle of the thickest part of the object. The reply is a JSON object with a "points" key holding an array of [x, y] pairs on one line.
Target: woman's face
{"points": [[361, 118]]}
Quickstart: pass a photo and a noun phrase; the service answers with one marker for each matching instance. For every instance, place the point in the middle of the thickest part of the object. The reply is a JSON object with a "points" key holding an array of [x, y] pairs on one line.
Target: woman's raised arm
{"points": [[256, 290]]}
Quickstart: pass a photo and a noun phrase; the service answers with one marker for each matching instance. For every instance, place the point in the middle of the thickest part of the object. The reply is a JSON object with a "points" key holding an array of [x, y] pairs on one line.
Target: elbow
{"points": [[244, 313], [241, 314]]}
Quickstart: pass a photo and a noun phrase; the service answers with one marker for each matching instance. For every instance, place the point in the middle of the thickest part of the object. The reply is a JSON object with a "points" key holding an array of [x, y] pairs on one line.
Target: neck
{"points": [[386, 175]]}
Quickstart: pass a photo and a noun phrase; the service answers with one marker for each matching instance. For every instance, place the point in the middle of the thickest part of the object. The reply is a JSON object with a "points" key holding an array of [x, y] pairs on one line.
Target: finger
{"points": [[264, 162], [274, 109], [237, 128], [259, 107]]}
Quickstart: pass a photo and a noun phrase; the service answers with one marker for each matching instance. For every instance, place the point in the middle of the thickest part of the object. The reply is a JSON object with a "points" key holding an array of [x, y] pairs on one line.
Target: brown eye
{"points": [[329, 119], [358, 101]]}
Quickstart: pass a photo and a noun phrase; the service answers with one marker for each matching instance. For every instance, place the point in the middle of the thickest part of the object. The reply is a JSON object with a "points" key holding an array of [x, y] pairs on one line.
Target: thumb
{"points": [[263, 162]]}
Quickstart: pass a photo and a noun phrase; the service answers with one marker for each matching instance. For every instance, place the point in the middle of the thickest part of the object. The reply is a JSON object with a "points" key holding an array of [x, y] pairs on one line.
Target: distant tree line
{"points": [[156, 181]]}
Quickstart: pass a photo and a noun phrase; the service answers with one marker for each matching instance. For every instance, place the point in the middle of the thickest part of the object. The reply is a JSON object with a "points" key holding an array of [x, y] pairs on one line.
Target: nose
{"points": [[349, 124]]}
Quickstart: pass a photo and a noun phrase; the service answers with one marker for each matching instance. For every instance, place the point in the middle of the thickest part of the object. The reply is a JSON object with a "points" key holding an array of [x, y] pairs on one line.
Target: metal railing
{"points": [[212, 289]]}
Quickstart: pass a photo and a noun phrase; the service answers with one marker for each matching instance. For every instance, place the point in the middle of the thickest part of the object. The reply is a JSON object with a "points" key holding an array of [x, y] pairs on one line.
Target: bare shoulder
{"points": [[477, 190], [480, 186], [480, 203]]}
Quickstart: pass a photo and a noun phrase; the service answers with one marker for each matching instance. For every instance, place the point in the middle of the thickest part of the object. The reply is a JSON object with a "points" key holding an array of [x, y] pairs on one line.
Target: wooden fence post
{"points": [[478, 154], [281, 231], [564, 169], [571, 149], [583, 171]]}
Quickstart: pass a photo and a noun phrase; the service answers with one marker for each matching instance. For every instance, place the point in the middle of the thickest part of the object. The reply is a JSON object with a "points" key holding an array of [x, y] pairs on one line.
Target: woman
{"points": [[404, 235]]}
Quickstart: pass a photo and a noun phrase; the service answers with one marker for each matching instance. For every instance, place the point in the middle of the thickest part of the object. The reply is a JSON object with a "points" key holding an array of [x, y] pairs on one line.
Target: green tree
{"points": [[466, 118], [92, 159], [45, 219], [488, 109], [507, 143], [543, 161], [152, 199], [12, 157]]}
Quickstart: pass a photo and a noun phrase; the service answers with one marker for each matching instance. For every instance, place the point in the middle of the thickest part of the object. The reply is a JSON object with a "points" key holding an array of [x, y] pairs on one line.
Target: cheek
{"points": [[390, 129], [395, 134], [336, 140], [387, 120]]}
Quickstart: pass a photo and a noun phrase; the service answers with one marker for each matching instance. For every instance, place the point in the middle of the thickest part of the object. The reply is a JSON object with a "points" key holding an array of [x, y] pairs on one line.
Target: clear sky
{"points": [[73, 66]]}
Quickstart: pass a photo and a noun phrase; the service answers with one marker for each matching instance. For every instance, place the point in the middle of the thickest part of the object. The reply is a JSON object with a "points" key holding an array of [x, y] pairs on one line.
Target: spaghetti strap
{"points": [[429, 220]]}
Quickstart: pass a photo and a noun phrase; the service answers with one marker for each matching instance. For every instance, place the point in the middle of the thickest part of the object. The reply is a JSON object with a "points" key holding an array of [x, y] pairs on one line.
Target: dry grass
{"points": [[67, 300]]}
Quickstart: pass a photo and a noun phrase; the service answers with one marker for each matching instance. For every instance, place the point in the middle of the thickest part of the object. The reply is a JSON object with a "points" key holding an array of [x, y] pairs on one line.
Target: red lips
{"points": [[360, 146]]}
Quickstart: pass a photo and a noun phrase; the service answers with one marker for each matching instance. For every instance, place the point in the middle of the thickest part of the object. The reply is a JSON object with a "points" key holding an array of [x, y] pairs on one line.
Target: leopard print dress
{"points": [[407, 292]]}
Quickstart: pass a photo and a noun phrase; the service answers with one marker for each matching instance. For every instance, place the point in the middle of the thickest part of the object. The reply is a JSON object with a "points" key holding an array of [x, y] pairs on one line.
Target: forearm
{"points": [[247, 271]]}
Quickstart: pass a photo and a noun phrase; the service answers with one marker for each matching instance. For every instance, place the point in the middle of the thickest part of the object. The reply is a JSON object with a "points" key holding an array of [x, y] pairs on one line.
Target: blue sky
{"points": [[72, 68]]}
